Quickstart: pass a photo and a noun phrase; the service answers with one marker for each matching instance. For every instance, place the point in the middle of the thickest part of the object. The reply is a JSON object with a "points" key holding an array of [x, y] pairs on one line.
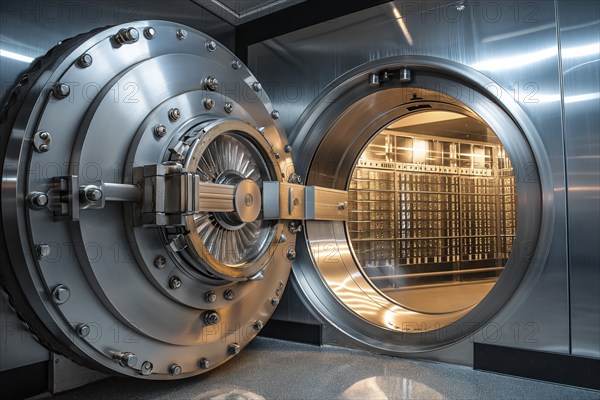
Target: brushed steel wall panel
{"points": [[580, 49], [514, 43], [17, 347], [32, 27]]}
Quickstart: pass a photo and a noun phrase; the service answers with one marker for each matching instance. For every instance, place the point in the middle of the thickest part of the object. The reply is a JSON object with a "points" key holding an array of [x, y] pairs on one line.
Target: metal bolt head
{"points": [[85, 61], [160, 262], [174, 114], [229, 107], [211, 83], [275, 301], [175, 282], [39, 200], [126, 359], [229, 294], [374, 80], [211, 45], [182, 34], [211, 318], [129, 360], [291, 254], [82, 330], [127, 36], [295, 227], [236, 64], [149, 33], [258, 325], [133, 33], [295, 178], [175, 369], [146, 368], [405, 75], [257, 86], [61, 294], [160, 130], [342, 206], [204, 363], [282, 238], [210, 297], [41, 141], [234, 349], [94, 195], [209, 104], [288, 148], [61, 91], [42, 250], [275, 114]]}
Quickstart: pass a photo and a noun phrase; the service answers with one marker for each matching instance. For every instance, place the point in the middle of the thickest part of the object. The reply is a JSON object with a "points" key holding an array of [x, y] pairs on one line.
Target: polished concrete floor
{"points": [[271, 369]]}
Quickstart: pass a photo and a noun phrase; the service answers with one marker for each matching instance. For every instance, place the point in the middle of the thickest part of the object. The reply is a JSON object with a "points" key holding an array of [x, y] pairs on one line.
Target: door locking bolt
{"points": [[175, 283], [211, 318]]}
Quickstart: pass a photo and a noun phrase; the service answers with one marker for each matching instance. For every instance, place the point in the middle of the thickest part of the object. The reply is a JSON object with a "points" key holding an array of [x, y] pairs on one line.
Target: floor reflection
{"points": [[390, 387], [229, 393]]}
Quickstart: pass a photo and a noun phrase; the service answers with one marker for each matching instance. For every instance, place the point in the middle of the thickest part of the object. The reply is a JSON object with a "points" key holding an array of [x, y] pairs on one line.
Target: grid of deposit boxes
{"points": [[435, 210]]}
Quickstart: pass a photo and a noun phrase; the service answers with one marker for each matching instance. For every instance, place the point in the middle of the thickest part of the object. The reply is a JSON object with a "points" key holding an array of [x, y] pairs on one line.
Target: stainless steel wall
{"points": [[17, 347], [579, 23], [28, 30], [516, 44]]}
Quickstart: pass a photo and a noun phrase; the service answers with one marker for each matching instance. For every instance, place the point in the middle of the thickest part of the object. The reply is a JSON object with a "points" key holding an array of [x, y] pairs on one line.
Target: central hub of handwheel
{"points": [[247, 201]]}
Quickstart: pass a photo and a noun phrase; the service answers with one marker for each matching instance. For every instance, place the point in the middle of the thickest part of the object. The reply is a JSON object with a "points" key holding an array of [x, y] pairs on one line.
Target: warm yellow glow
{"points": [[420, 150]]}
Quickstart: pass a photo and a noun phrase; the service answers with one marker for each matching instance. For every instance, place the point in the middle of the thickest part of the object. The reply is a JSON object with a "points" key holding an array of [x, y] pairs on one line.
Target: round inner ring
{"points": [[239, 237]]}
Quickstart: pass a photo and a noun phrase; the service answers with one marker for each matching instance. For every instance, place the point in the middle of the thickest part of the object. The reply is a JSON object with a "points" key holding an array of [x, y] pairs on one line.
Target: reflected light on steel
{"points": [[581, 51], [15, 56], [402, 25], [569, 99], [522, 60]]}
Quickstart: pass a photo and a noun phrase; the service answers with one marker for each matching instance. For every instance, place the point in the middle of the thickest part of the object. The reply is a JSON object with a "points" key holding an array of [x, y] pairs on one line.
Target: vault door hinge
{"points": [[290, 201]]}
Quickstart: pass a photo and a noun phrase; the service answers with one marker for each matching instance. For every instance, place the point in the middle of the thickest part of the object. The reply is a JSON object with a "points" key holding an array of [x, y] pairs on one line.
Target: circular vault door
{"points": [[145, 187]]}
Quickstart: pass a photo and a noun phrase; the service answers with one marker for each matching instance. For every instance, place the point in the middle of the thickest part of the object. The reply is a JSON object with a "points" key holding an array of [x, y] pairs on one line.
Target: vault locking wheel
{"points": [[147, 189]]}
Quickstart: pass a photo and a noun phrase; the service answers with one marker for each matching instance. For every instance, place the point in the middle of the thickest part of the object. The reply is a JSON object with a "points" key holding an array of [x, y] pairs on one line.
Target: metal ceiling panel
{"points": [[237, 12]]}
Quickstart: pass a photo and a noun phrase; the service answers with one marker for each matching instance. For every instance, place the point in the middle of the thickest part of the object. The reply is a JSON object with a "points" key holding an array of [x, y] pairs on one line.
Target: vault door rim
{"points": [[319, 114]]}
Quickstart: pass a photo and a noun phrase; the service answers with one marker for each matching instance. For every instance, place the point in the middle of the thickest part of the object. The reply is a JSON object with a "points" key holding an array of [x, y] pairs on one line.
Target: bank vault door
{"points": [[150, 204]]}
